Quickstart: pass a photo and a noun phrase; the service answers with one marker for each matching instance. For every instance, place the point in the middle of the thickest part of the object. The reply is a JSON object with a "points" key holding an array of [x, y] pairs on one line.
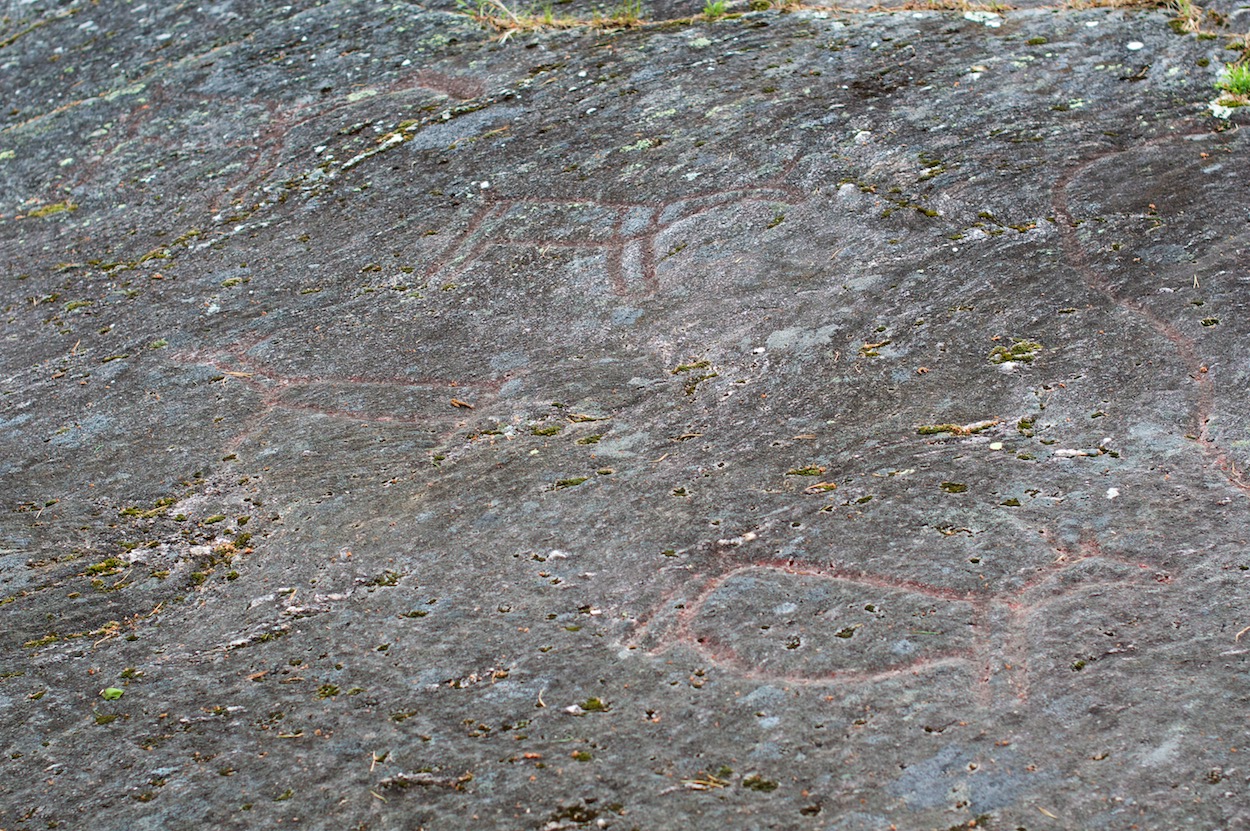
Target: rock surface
{"points": [[812, 420]]}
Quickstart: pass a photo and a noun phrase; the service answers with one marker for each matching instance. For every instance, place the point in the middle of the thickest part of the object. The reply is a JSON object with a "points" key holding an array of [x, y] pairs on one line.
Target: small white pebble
{"points": [[1091, 23], [1134, 45], [1112, 493], [996, 445]]}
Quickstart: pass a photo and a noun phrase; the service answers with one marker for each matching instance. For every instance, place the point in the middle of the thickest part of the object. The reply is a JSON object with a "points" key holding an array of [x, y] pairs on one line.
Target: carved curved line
{"points": [[1185, 347]]}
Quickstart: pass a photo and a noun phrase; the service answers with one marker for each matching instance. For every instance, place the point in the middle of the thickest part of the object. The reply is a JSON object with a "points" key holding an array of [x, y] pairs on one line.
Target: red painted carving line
{"points": [[1021, 610], [1185, 347], [283, 121], [271, 387], [256, 369], [107, 95], [879, 582], [716, 652], [725, 656], [1087, 549], [987, 655], [154, 105], [479, 234], [265, 151], [237, 353], [125, 132], [650, 280], [453, 86], [616, 258], [986, 660]]}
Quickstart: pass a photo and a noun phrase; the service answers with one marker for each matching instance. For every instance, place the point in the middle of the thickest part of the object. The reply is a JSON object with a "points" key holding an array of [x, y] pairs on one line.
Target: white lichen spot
{"points": [[989, 19], [1220, 111]]}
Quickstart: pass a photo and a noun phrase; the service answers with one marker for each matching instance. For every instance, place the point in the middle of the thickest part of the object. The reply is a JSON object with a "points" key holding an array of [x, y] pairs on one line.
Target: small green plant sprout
{"points": [[507, 21], [712, 9], [1234, 85], [491, 13], [1238, 79], [626, 13]]}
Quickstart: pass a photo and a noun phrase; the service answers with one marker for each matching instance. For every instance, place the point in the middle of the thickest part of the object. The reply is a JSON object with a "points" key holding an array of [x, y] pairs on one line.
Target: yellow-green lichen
{"points": [[1021, 350], [52, 209]]}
